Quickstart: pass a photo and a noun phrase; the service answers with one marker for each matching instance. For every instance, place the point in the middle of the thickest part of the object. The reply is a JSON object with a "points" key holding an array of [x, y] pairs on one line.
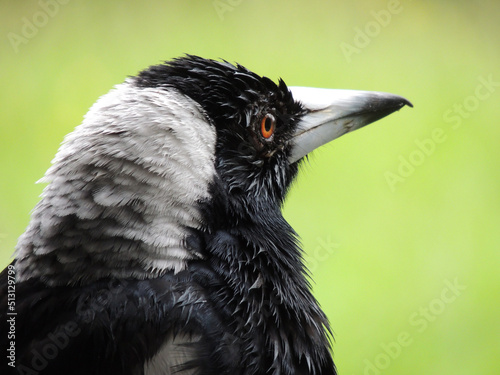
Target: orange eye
{"points": [[267, 126]]}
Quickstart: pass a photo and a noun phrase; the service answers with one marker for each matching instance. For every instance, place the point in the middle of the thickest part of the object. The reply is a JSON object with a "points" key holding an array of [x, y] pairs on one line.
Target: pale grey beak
{"points": [[332, 113]]}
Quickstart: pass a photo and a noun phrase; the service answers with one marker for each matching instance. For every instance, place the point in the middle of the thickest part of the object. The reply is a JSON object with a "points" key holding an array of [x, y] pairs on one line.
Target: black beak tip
{"points": [[405, 101]]}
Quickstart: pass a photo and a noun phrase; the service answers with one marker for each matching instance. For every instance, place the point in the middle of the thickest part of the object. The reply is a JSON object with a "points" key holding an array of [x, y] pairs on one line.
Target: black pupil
{"points": [[268, 123]]}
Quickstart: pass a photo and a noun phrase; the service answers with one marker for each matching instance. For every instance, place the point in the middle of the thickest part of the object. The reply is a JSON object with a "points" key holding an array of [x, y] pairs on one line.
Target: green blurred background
{"points": [[400, 220]]}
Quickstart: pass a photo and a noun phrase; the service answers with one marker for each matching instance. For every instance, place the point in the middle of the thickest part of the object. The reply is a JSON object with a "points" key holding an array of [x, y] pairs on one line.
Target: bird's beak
{"points": [[332, 113]]}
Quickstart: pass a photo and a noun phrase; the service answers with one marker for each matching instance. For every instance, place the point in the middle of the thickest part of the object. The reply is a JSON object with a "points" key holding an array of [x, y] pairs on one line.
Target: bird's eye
{"points": [[267, 126]]}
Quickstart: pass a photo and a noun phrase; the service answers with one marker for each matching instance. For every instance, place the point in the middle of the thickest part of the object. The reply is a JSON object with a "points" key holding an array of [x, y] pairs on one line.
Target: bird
{"points": [[159, 246]]}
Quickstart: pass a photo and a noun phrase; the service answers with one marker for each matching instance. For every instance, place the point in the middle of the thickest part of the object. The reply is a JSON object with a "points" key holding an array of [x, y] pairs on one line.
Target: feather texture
{"points": [[122, 191]]}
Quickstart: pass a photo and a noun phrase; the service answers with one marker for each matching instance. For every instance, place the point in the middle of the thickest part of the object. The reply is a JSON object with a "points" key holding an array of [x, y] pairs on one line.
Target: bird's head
{"points": [[125, 188], [254, 121], [263, 129]]}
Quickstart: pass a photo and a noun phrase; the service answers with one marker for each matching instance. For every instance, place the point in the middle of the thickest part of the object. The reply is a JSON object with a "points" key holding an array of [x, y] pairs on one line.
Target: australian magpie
{"points": [[159, 246]]}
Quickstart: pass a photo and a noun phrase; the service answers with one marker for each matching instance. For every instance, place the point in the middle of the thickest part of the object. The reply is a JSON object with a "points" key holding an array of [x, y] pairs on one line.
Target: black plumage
{"points": [[236, 101], [240, 304]]}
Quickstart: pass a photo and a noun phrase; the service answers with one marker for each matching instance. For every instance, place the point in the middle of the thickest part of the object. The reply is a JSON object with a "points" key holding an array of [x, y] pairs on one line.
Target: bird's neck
{"points": [[265, 288]]}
